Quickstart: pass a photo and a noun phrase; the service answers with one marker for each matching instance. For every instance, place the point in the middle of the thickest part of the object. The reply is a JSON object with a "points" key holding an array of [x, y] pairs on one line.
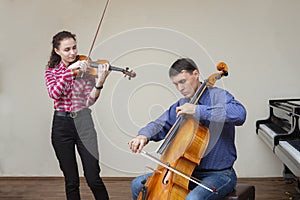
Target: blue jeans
{"points": [[224, 181]]}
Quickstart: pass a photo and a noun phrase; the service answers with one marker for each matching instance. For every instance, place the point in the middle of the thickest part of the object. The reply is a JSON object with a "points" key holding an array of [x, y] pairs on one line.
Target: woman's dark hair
{"points": [[54, 57], [186, 64]]}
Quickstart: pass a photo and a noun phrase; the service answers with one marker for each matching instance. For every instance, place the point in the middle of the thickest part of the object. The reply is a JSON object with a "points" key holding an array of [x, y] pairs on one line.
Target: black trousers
{"points": [[79, 132]]}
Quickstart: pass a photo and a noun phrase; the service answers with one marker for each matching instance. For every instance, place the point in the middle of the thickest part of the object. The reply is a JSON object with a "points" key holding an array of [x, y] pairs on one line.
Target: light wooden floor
{"points": [[52, 188]]}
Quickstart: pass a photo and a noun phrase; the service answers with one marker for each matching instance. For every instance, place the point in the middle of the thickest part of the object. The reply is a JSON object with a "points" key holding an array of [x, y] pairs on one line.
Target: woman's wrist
{"points": [[99, 83], [98, 87]]}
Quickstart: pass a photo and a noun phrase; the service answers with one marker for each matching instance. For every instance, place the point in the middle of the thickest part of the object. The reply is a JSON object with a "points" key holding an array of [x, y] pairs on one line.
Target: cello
{"points": [[181, 151]]}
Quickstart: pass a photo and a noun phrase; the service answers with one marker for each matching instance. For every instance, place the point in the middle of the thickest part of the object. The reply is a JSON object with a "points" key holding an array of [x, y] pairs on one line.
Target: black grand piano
{"points": [[281, 133]]}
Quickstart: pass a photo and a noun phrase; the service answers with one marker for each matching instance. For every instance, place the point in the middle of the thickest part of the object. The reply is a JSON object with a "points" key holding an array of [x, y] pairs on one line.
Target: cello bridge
{"points": [[154, 170]]}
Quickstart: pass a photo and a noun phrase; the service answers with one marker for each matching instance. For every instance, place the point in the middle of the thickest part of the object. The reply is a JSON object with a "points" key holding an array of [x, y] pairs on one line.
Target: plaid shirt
{"points": [[69, 94]]}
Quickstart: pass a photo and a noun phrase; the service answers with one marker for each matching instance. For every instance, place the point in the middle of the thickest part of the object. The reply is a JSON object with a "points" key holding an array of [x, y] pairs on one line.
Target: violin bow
{"points": [[190, 178], [98, 28]]}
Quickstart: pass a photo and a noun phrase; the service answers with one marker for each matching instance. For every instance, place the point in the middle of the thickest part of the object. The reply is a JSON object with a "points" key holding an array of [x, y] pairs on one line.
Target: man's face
{"points": [[186, 83]]}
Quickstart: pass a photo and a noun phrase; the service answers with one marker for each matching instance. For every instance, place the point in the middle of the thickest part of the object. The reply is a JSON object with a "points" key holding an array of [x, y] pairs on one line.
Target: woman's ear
{"points": [[56, 51]]}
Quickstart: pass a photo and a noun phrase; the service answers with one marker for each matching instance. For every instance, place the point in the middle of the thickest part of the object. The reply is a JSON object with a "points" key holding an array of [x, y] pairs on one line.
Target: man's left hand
{"points": [[186, 108]]}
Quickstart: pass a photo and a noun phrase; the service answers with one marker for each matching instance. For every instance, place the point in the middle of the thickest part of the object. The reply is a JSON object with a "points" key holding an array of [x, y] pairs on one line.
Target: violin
{"points": [[93, 67]]}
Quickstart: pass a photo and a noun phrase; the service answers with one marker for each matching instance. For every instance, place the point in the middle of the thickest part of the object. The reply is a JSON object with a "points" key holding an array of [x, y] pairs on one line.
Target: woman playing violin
{"points": [[217, 110], [74, 91]]}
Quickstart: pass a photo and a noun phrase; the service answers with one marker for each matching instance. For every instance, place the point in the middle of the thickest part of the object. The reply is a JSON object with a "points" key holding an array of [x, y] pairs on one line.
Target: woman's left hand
{"points": [[103, 72]]}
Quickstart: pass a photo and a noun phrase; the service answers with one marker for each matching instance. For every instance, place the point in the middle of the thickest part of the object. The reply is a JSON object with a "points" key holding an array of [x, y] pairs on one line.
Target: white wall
{"points": [[259, 40]]}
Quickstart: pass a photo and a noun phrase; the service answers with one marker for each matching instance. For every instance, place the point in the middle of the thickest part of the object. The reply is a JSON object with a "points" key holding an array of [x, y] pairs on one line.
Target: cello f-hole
{"points": [[166, 177]]}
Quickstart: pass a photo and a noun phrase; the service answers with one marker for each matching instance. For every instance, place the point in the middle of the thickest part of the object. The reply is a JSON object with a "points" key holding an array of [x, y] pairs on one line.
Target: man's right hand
{"points": [[137, 144]]}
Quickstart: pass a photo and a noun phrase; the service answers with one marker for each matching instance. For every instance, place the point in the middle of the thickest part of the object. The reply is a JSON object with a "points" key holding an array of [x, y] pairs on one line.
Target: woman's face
{"points": [[67, 50]]}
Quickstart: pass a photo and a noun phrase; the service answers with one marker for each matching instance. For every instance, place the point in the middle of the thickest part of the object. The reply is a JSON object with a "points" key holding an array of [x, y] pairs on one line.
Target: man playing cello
{"points": [[217, 110]]}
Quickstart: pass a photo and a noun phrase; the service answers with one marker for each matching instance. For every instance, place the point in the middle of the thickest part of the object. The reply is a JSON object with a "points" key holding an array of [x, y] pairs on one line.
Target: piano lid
{"points": [[289, 106], [283, 121]]}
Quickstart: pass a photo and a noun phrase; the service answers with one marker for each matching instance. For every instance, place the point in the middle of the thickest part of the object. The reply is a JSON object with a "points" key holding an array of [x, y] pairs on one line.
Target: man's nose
{"points": [[180, 87]]}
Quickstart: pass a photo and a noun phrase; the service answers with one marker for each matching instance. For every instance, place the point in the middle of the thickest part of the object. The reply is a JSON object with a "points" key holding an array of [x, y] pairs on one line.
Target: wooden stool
{"points": [[242, 192]]}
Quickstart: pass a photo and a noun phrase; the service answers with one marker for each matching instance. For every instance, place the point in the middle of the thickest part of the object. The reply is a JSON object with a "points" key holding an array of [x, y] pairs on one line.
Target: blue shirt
{"points": [[220, 112]]}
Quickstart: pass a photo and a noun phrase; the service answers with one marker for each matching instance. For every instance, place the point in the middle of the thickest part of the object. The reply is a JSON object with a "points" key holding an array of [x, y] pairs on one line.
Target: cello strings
{"points": [[147, 155]]}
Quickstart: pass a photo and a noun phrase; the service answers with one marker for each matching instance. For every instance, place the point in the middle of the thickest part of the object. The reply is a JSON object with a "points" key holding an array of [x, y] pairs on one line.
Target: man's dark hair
{"points": [[181, 64]]}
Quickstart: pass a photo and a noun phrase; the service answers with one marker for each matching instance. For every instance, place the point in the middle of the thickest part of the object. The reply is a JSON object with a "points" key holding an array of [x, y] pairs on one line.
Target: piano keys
{"points": [[268, 132], [281, 133], [289, 155]]}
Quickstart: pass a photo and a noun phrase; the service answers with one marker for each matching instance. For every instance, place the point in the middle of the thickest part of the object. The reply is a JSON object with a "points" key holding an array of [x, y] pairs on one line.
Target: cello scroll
{"points": [[223, 71]]}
